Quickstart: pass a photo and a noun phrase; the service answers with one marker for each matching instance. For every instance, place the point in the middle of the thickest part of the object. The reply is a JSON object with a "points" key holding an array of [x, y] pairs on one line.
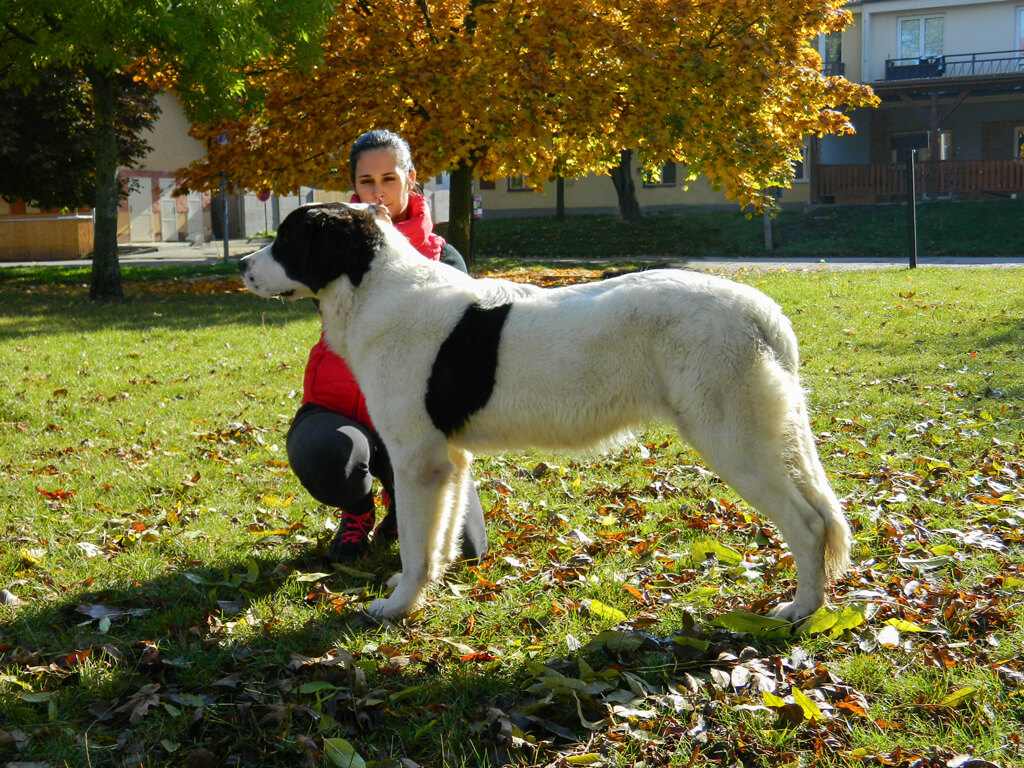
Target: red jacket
{"points": [[328, 380]]}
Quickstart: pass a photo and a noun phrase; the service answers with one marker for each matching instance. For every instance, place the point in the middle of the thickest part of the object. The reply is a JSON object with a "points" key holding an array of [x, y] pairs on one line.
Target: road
{"points": [[149, 254]]}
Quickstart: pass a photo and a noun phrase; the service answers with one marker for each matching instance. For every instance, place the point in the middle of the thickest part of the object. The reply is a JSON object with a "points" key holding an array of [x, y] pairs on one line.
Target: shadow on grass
{"points": [[57, 310], [193, 668], [192, 664], [960, 348]]}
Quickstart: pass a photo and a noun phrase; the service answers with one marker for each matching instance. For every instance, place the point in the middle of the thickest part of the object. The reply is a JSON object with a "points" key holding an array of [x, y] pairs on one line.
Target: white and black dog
{"points": [[451, 365]]}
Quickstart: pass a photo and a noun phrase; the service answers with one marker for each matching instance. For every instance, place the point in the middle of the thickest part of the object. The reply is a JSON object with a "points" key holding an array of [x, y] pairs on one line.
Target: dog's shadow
{"points": [[197, 657]]}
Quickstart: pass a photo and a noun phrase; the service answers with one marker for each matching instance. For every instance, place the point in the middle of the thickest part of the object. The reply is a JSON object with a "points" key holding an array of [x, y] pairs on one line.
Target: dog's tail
{"points": [[838, 539], [779, 344], [837, 545]]}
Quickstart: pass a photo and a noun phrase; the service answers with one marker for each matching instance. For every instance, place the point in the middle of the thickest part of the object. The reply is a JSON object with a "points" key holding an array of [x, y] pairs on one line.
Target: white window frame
{"points": [[518, 184], [804, 175], [923, 18]]}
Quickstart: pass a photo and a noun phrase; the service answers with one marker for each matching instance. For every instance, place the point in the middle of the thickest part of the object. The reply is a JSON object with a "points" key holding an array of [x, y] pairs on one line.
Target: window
{"points": [[518, 184], [1020, 30], [1018, 144], [800, 166], [487, 184], [921, 37], [663, 177], [833, 54]]}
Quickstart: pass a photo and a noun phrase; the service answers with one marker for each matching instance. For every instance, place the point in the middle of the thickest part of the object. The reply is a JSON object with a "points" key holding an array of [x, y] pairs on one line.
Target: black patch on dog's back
{"points": [[462, 379]]}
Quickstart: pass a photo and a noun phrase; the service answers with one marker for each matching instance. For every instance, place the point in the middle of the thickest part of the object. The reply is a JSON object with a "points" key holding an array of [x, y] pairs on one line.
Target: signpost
{"points": [[223, 139], [912, 207], [263, 197]]}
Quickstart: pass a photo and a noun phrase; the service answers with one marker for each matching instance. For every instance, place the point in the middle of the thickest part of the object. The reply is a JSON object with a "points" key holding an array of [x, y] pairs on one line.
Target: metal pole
{"points": [[224, 196], [912, 207]]}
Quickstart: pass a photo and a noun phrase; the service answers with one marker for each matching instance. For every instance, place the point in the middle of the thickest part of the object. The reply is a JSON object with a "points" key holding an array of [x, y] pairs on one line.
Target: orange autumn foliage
{"points": [[727, 88]]}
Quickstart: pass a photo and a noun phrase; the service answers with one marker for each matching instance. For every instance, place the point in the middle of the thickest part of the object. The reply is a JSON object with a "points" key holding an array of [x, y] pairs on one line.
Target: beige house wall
{"points": [[172, 147], [851, 51], [596, 193]]}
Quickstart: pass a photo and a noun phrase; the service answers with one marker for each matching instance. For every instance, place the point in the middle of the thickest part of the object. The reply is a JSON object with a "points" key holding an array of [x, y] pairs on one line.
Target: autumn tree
{"points": [[727, 88], [204, 45]]}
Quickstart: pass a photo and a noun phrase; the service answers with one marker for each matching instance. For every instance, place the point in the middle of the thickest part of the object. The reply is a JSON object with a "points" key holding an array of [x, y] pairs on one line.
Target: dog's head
{"points": [[315, 245]]}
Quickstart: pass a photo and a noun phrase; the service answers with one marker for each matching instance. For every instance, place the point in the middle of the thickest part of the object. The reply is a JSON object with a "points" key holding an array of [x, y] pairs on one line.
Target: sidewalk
{"points": [[153, 254], [847, 263], [804, 263]]}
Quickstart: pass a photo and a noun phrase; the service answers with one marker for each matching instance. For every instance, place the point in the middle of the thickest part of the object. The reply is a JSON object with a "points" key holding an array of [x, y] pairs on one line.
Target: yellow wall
{"points": [[852, 50], [597, 193]]}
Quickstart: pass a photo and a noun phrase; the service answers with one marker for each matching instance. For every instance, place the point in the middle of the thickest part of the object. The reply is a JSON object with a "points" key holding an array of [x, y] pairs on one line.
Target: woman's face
{"points": [[379, 179]]}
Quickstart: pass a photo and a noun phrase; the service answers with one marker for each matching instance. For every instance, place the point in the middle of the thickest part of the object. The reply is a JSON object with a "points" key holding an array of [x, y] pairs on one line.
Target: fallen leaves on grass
{"points": [[938, 531]]}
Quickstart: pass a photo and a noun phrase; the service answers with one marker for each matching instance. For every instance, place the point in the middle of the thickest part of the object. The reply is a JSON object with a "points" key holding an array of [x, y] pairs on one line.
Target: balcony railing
{"points": [[881, 181], [956, 65]]}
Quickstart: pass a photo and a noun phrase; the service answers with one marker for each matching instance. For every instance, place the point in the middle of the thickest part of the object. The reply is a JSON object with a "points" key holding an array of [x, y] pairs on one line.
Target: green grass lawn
{"points": [[167, 601]]}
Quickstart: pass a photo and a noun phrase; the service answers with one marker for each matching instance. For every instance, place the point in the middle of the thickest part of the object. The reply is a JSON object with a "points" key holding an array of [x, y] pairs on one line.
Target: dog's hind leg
{"points": [[451, 535], [762, 446], [425, 488]]}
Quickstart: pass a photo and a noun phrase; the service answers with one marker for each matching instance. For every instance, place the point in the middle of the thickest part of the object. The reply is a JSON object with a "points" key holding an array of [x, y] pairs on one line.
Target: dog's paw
{"points": [[392, 583], [791, 612], [383, 609]]}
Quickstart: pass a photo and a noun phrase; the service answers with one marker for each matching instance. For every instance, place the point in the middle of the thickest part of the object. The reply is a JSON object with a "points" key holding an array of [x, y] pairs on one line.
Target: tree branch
{"points": [[18, 33], [430, 24]]}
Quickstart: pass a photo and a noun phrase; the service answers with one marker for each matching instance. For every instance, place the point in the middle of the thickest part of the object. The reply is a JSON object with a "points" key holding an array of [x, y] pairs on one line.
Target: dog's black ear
{"points": [[340, 241]]}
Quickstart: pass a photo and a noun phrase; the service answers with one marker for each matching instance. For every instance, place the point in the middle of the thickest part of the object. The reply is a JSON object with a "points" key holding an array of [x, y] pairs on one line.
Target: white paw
{"points": [[383, 609], [791, 612], [392, 583]]}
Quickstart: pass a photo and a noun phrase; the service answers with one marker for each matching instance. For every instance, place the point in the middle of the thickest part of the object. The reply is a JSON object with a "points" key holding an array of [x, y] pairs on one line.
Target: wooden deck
{"points": [[884, 181]]}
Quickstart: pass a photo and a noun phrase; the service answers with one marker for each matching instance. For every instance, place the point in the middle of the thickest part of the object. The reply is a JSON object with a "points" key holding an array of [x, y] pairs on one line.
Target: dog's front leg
{"points": [[422, 499]]}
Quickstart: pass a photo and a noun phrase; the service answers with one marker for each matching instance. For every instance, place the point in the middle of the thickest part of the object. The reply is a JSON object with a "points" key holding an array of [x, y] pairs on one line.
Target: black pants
{"points": [[336, 459]]}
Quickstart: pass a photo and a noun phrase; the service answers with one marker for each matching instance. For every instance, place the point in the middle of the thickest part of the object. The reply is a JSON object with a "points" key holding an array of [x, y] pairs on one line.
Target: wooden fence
{"points": [[45, 237], [881, 181]]}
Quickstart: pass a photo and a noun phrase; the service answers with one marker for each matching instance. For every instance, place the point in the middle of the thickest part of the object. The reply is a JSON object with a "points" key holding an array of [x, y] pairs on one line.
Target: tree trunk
{"points": [[106, 271], [625, 188], [772, 235], [460, 210], [560, 199]]}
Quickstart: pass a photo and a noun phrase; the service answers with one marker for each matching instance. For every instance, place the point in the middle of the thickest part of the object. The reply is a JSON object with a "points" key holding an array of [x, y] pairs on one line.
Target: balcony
{"points": [[883, 182], [956, 65]]}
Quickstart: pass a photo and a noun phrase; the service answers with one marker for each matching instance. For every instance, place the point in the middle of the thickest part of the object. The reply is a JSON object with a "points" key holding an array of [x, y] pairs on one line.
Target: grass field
{"points": [[166, 601]]}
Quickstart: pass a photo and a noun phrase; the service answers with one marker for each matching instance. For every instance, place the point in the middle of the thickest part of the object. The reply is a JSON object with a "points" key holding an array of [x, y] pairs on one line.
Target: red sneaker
{"points": [[353, 536]]}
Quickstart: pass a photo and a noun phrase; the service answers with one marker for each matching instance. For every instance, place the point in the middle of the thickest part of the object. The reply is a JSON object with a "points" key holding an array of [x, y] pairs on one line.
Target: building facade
{"points": [[950, 76]]}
